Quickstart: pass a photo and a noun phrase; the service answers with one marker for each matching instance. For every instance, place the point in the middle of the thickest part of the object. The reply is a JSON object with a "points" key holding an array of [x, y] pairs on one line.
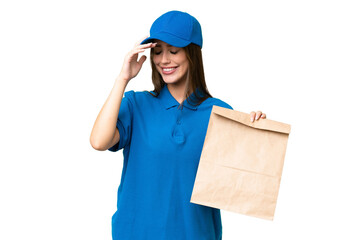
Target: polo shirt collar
{"points": [[169, 101]]}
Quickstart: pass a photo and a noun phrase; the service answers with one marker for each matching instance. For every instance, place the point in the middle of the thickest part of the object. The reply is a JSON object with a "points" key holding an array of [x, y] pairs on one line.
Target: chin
{"points": [[172, 80]]}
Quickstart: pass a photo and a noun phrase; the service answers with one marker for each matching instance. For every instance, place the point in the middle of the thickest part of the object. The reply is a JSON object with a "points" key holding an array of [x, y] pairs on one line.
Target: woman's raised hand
{"points": [[257, 115], [131, 66]]}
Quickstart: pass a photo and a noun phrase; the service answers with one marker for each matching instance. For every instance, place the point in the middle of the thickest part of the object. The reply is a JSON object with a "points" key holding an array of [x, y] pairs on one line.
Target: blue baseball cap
{"points": [[176, 28]]}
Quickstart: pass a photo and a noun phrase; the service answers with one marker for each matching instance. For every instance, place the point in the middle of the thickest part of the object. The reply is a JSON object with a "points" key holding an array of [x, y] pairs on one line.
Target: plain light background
{"points": [[297, 61]]}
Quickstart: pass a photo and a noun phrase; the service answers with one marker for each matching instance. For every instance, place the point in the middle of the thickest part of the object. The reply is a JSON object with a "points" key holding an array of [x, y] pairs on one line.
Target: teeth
{"points": [[168, 69]]}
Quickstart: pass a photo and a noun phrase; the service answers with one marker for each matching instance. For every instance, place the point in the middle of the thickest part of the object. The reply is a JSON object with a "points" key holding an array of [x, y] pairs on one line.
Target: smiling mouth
{"points": [[168, 70]]}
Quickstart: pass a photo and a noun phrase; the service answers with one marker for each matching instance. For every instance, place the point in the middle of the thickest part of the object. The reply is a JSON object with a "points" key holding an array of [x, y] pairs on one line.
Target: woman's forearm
{"points": [[104, 129]]}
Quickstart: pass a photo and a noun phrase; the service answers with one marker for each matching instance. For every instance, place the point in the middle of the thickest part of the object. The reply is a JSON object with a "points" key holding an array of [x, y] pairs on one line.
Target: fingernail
{"points": [[252, 119]]}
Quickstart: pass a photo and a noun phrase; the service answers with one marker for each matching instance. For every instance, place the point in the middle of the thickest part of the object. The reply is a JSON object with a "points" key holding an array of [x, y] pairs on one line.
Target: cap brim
{"points": [[168, 38]]}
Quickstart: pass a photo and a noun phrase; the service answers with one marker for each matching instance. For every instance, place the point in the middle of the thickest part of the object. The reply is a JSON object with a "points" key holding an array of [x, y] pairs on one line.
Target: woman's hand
{"points": [[257, 115], [131, 66]]}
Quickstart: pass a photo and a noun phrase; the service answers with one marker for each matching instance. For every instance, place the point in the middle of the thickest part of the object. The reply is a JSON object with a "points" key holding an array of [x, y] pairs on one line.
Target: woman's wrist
{"points": [[121, 83], [122, 78]]}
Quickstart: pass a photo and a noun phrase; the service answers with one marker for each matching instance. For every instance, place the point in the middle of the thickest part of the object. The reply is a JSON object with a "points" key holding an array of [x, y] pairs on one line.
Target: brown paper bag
{"points": [[241, 163]]}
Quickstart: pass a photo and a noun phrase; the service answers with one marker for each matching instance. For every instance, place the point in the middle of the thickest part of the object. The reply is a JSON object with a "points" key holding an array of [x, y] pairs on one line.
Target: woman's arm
{"points": [[104, 133]]}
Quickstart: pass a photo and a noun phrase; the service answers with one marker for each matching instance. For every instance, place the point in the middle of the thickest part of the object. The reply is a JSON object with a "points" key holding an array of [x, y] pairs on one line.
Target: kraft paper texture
{"points": [[241, 164]]}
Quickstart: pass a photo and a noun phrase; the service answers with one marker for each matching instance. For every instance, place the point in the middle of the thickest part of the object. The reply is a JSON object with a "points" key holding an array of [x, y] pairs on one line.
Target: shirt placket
{"points": [[178, 133]]}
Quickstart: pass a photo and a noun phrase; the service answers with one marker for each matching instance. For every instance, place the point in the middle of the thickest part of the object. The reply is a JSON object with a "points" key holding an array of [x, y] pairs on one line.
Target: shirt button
{"points": [[178, 122]]}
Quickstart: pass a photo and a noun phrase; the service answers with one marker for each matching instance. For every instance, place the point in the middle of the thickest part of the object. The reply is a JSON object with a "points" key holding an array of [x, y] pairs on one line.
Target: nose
{"points": [[165, 59]]}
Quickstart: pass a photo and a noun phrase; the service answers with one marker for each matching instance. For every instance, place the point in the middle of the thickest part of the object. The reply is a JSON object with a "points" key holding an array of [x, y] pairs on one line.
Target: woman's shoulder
{"points": [[139, 95], [140, 98], [211, 101]]}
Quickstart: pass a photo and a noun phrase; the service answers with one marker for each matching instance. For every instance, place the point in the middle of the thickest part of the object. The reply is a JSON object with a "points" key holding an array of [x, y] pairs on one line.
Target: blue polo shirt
{"points": [[162, 145]]}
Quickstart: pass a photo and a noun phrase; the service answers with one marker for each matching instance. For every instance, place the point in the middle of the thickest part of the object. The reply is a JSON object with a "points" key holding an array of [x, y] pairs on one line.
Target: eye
{"points": [[173, 52], [157, 53]]}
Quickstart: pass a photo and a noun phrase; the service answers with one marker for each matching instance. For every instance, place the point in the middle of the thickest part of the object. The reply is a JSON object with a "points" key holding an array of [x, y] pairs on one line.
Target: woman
{"points": [[161, 133]]}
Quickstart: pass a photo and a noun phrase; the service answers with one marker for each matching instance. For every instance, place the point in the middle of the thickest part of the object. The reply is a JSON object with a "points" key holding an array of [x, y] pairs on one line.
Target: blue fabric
{"points": [[176, 28], [162, 146]]}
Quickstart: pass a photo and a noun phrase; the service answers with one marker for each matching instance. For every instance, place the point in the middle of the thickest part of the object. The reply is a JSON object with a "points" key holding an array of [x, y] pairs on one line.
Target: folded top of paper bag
{"points": [[244, 118]]}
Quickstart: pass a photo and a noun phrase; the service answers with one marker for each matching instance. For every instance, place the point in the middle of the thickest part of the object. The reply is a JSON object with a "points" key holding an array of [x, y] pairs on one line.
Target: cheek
{"points": [[156, 62], [185, 65], [184, 62], [155, 59]]}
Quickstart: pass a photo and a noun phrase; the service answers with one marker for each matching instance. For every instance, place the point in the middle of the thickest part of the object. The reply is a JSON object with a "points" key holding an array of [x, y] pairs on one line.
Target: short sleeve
{"points": [[222, 104], [124, 121]]}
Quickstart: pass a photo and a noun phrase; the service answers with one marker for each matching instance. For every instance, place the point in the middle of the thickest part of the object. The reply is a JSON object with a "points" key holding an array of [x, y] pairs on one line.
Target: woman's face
{"points": [[171, 62]]}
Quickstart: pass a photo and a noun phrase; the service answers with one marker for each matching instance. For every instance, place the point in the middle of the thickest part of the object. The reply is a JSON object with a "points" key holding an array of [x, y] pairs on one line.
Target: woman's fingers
{"points": [[257, 115], [133, 54], [142, 60], [146, 45], [252, 116], [136, 51], [132, 65], [143, 46], [142, 39], [140, 48]]}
